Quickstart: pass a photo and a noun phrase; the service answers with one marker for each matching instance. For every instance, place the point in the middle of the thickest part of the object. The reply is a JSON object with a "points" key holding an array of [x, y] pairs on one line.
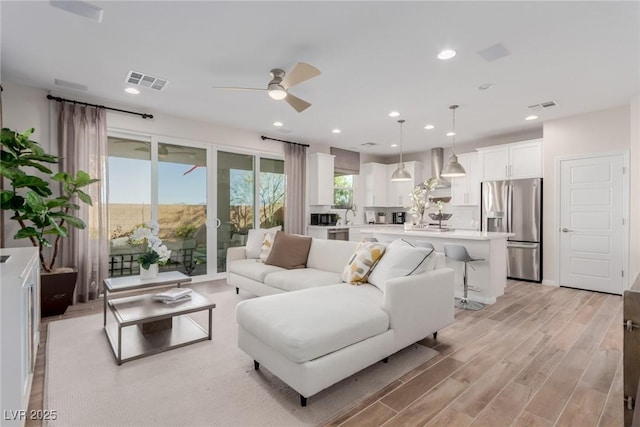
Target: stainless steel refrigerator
{"points": [[515, 206]]}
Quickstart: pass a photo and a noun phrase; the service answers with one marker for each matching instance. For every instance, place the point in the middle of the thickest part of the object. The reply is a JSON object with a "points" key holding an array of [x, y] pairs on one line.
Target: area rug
{"points": [[211, 383]]}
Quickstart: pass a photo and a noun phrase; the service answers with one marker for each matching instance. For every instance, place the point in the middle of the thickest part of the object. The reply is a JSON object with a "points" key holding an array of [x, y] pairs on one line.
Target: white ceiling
{"points": [[374, 56]]}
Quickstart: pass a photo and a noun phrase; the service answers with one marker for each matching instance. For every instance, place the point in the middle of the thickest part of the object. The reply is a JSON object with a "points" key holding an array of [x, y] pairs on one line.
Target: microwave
{"points": [[324, 219]]}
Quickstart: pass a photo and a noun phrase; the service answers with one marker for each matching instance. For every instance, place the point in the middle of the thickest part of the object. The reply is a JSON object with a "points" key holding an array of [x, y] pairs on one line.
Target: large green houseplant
{"points": [[44, 217]]}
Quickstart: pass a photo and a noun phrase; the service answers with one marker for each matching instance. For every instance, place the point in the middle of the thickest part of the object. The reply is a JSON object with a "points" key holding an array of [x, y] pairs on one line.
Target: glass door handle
{"points": [[218, 222], [566, 230]]}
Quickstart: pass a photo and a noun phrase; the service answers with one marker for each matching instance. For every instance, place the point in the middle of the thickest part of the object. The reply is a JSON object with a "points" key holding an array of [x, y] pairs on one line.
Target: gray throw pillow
{"points": [[289, 251]]}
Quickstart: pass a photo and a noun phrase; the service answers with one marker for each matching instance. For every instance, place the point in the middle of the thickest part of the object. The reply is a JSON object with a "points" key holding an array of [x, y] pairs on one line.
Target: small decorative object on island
{"points": [[43, 218], [155, 253], [439, 204], [420, 200]]}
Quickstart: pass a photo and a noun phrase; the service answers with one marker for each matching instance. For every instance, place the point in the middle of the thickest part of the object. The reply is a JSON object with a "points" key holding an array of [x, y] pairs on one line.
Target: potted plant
{"points": [[155, 253], [43, 217]]}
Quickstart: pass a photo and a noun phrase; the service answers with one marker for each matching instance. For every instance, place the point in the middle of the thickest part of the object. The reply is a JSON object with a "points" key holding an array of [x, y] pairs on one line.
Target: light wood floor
{"points": [[540, 356]]}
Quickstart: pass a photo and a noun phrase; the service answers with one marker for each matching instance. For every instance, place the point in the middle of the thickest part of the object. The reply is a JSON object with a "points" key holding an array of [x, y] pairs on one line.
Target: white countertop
{"points": [[376, 226], [454, 234]]}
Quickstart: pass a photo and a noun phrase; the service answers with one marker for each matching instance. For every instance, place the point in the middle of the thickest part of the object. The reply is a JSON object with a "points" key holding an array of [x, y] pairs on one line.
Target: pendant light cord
{"points": [[401, 121], [453, 141]]}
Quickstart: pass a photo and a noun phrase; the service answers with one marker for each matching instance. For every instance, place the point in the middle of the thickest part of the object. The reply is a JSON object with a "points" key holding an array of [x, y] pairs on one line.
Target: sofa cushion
{"points": [[289, 251], [400, 259], [252, 268], [308, 324], [362, 262], [267, 244], [293, 280], [255, 238], [330, 255]]}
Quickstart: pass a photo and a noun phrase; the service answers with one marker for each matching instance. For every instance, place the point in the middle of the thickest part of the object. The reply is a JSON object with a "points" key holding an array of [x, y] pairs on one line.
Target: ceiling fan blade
{"points": [[298, 104], [237, 88], [300, 73], [145, 149]]}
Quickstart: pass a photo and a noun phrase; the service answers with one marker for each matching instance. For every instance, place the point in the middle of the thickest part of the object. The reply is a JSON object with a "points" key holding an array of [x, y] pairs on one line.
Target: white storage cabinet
{"points": [[465, 190], [517, 160], [320, 173]]}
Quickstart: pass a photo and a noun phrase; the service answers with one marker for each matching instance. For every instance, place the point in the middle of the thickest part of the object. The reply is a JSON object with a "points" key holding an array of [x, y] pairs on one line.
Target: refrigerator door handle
{"points": [[509, 208]]}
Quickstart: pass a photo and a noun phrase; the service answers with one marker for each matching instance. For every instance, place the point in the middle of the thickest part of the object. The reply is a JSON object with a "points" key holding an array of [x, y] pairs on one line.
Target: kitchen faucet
{"points": [[346, 220]]}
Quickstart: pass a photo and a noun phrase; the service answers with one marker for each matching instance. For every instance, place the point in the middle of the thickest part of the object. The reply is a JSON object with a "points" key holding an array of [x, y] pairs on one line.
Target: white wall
{"points": [[634, 166], [596, 132]]}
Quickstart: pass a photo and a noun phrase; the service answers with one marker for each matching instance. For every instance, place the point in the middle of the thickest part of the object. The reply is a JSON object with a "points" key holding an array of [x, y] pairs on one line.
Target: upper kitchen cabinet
{"points": [[465, 190], [374, 179], [511, 161], [380, 191], [320, 167], [398, 192]]}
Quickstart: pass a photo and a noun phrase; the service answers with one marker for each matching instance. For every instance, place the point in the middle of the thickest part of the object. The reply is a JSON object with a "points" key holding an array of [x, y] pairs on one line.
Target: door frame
{"points": [[625, 210]]}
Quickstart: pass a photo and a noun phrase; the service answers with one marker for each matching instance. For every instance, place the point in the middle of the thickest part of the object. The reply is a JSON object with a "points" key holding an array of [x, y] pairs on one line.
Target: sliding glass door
{"points": [[196, 206]]}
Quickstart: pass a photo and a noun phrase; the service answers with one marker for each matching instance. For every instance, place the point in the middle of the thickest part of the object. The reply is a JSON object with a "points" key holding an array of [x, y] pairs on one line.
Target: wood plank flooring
{"points": [[539, 356]]}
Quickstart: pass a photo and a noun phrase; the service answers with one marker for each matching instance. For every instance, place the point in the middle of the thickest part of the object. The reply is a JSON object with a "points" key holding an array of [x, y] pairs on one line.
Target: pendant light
{"points": [[401, 174], [453, 168]]}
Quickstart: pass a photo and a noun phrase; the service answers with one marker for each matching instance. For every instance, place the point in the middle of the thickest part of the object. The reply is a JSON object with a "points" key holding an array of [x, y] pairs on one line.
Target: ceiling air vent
{"points": [[542, 105], [136, 78], [369, 144]]}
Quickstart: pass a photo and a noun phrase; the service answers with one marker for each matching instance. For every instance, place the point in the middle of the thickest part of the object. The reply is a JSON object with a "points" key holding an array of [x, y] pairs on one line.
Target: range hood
{"points": [[437, 160]]}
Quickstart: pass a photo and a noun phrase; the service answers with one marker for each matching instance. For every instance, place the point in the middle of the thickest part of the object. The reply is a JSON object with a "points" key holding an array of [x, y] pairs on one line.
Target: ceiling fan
{"points": [[164, 151], [278, 87]]}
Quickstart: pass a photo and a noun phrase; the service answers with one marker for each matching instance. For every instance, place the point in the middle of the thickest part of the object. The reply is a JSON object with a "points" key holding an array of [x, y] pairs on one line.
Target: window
{"points": [[343, 191]]}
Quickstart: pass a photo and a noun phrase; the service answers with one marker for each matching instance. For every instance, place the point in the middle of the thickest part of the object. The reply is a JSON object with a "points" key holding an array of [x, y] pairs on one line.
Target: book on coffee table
{"points": [[173, 295], [174, 301]]}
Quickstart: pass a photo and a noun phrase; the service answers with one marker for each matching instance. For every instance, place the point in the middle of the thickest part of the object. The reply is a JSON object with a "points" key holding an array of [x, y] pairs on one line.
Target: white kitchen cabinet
{"points": [[517, 160], [19, 330], [320, 173], [465, 190], [375, 181], [398, 192]]}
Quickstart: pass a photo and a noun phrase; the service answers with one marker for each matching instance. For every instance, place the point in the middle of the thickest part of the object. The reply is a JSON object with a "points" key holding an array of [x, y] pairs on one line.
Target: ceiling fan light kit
{"points": [[453, 168], [400, 174]]}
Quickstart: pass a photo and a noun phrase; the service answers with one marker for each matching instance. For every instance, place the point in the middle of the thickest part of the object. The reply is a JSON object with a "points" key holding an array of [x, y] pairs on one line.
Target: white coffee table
{"points": [[127, 336]]}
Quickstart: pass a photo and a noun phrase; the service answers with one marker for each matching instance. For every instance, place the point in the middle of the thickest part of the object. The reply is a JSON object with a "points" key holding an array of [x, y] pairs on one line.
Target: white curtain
{"points": [[82, 145], [295, 170]]}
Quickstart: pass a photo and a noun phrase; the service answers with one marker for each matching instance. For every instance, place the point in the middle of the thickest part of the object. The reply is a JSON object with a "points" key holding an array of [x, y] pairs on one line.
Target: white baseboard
{"points": [[550, 283]]}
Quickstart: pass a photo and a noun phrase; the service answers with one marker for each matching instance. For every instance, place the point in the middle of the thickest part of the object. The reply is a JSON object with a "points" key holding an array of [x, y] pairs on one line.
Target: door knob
{"points": [[566, 230]]}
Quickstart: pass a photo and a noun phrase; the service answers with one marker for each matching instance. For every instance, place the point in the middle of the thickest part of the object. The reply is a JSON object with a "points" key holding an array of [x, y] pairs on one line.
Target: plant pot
{"points": [[56, 292], [150, 273]]}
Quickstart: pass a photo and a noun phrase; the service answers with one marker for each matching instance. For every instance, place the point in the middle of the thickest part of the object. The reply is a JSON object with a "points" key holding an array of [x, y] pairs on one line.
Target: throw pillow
{"points": [[364, 258], [254, 240], [267, 244], [289, 251], [400, 259]]}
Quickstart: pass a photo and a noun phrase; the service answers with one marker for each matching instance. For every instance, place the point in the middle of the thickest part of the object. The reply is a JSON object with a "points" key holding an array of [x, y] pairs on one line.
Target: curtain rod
{"points": [[282, 140], [58, 99]]}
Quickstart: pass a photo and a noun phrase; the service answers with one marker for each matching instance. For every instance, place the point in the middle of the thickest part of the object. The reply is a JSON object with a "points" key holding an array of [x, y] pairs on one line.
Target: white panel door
{"points": [[591, 223]]}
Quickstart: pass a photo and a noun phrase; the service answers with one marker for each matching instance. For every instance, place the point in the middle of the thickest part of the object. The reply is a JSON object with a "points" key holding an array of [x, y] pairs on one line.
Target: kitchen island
{"points": [[489, 277]]}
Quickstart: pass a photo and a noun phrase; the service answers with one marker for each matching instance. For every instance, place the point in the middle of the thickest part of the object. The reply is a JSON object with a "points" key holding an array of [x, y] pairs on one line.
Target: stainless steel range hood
{"points": [[437, 161]]}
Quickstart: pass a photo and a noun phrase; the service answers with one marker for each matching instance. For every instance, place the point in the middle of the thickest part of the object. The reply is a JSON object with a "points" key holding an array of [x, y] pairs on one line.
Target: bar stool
{"points": [[459, 253]]}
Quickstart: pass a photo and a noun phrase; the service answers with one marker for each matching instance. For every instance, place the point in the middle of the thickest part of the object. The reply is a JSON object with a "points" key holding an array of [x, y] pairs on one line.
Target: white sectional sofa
{"points": [[327, 330]]}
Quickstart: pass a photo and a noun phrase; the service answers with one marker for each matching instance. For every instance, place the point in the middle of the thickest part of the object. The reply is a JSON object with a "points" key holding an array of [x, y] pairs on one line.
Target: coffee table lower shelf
{"points": [[136, 345]]}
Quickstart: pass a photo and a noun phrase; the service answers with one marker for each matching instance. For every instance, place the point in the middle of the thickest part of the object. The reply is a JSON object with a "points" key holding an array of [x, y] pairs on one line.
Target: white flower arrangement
{"points": [[420, 198], [156, 252]]}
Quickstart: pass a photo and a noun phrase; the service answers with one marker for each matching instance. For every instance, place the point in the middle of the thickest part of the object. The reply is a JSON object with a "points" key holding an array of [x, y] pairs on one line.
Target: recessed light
{"points": [[132, 90], [394, 145], [447, 54], [277, 124], [485, 86], [336, 131], [394, 114], [429, 127], [532, 117], [451, 133]]}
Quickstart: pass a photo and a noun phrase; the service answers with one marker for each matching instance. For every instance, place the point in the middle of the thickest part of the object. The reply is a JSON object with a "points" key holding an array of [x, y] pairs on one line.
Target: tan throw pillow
{"points": [[365, 257], [289, 251], [267, 244]]}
